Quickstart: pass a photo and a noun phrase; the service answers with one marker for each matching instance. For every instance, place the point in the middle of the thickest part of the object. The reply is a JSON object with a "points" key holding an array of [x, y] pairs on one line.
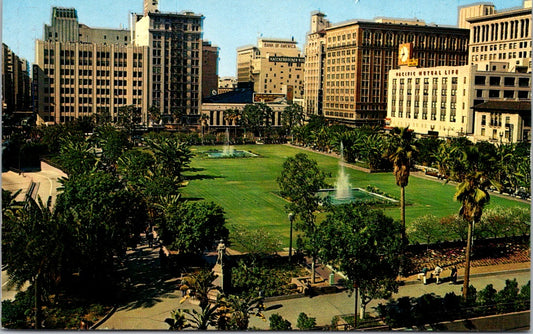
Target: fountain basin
{"points": [[217, 154], [356, 195]]}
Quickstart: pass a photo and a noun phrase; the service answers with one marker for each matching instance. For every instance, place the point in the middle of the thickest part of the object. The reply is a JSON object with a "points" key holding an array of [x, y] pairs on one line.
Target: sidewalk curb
{"points": [[104, 319], [492, 273]]}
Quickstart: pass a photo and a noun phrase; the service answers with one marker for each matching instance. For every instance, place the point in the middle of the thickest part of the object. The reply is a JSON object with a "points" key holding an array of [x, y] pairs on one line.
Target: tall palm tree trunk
{"points": [[467, 262], [313, 270], [402, 212]]}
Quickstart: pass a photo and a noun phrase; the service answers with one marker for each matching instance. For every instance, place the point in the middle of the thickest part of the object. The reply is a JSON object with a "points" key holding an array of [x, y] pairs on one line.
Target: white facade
{"points": [[433, 100], [439, 100]]}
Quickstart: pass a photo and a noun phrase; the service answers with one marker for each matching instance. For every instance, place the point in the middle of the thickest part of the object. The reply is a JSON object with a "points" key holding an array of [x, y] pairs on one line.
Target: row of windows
{"points": [[424, 115], [497, 81], [502, 56], [501, 31]]}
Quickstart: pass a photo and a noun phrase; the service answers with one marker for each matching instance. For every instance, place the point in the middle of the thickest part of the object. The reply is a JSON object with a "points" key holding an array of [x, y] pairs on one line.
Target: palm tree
{"points": [[205, 318], [33, 251], [200, 285], [177, 321], [203, 122], [236, 311], [472, 193], [401, 152]]}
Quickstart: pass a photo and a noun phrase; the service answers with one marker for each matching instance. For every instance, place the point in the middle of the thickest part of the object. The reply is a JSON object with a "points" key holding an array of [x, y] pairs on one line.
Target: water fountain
{"points": [[227, 151], [343, 188], [343, 192]]}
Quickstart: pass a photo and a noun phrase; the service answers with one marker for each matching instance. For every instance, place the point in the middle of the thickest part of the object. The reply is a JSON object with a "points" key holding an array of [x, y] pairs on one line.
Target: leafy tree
{"points": [[487, 296], [366, 246], [291, 116], [172, 156], [102, 117], [102, 218], [33, 249], [372, 151], [192, 227], [128, 118], [525, 295], [299, 182], [257, 243], [446, 158], [507, 297], [77, 157], [401, 151], [475, 176], [425, 229], [256, 118], [427, 149], [10, 205], [112, 143], [232, 116], [53, 135], [277, 323], [454, 227], [305, 322], [134, 165], [154, 114]]}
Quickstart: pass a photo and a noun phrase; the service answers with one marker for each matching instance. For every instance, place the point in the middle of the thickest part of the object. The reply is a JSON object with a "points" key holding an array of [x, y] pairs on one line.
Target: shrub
{"points": [[277, 323], [305, 323], [506, 297]]}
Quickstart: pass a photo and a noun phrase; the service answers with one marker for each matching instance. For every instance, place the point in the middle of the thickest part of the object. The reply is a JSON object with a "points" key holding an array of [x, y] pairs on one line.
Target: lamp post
{"points": [[291, 218]]}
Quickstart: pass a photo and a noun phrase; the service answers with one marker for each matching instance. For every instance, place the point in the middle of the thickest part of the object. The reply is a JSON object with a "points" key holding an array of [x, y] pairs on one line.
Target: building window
{"points": [[494, 81], [494, 93], [509, 81], [480, 80]]}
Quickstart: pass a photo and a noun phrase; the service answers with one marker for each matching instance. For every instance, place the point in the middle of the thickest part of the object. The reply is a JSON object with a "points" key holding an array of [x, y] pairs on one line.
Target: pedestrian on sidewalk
{"points": [[453, 275], [437, 272], [423, 274], [150, 236], [162, 257]]}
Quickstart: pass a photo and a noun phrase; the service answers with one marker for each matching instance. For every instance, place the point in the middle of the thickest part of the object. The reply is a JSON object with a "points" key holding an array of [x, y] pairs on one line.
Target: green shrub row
{"points": [[431, 309]]}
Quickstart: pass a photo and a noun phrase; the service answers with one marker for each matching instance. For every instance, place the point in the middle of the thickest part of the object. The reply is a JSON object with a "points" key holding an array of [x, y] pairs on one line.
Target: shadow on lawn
{"points": [[203, 177]]}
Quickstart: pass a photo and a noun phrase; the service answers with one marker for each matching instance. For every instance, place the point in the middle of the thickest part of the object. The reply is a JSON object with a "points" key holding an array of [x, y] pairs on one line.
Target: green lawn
{"points": [[247, 190]]}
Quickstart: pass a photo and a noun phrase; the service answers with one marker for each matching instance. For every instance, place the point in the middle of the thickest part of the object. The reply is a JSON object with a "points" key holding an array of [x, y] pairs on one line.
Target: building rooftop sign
{"points": [[284, 59]]}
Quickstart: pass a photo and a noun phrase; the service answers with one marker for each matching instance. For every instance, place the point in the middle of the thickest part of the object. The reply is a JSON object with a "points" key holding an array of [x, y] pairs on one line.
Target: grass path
{"points": [[247, 189]]}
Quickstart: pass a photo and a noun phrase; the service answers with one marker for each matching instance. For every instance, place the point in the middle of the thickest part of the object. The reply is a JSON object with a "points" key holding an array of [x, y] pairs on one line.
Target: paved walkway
{"points": [[153, 295]]}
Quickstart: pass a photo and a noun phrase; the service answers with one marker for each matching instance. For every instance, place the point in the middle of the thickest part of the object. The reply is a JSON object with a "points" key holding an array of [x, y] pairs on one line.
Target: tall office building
{"points": [[209, 69], [16, 91], [439, 101], [175, 42], [80, 71], [360, 53], [273, 65], [503, 35], [315, 55]]}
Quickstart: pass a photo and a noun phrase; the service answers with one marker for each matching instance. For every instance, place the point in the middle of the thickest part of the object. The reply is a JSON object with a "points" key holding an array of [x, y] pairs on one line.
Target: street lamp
{"points": [[291, 219]]}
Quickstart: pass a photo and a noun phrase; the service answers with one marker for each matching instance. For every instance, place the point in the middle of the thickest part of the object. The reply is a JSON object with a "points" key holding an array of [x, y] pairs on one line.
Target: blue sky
{"points": [[228, 24]]}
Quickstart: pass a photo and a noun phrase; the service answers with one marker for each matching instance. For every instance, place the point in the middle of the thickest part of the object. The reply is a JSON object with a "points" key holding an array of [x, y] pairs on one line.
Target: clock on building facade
{"points": [[405, 53]]}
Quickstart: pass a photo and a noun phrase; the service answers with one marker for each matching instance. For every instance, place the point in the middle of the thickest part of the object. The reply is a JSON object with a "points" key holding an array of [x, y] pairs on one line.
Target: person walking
{"points": [[150, 236], [423, 274], [453, 275], [437, 272]]}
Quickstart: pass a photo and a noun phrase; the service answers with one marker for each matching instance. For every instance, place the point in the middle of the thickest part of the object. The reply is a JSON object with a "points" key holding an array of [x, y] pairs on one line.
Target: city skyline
{"points": [[228, 25]]}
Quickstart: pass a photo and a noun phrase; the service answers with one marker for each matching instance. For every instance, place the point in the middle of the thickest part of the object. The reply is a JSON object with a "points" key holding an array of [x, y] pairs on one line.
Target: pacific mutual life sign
{"points": [[284, 59]]}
